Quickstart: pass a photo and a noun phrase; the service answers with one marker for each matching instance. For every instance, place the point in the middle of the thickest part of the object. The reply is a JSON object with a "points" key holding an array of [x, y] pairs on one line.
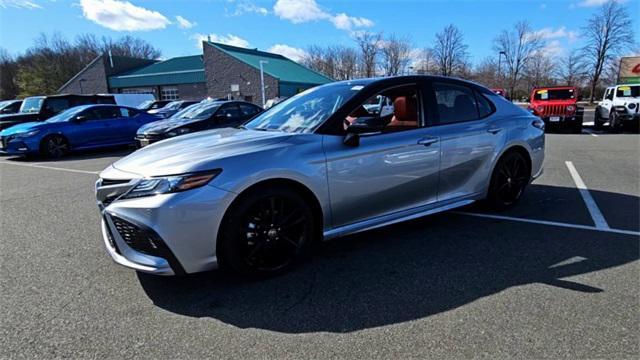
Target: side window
{"points": [[106, 113], [54, 106], [248, 110], [391, 110], [229, 111], [126, 112], [484, 106], [610, 94], [455, 103]]}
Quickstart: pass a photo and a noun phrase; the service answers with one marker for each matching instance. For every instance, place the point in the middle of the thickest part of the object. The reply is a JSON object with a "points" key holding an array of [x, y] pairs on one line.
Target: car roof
{"points": [[400, 79]]}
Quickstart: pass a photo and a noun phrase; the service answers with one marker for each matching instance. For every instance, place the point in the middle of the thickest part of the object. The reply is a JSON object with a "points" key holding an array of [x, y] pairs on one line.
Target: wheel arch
{"points": [[307, 194], [513, 148], [50, 135]]}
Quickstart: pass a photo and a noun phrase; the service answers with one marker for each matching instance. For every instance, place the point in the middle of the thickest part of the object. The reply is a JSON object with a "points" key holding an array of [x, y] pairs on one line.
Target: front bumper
{"points": [[18, 146], [180, 229], [561, 120]]}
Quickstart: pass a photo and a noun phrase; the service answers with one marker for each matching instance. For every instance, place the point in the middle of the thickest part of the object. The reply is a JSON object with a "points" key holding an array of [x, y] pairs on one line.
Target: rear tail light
{"points": [[538, 123]]}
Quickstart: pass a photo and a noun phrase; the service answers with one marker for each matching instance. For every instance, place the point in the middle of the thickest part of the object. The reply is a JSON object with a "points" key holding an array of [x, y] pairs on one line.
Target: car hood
{"points": [[161, 126], [24, 127], [196, 152], [17, 116]]}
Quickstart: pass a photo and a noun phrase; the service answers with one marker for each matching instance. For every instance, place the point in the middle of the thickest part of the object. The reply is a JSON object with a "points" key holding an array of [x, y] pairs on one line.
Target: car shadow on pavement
{"points": [[401, 273]]}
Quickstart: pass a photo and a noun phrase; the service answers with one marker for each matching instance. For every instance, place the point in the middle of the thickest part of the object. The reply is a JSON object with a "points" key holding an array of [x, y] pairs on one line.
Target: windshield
{"points": [[306, 111], [628, 91], [557, 94], [65, 115], [146, 104], [174, 105], [199, 111], [32, 104]]}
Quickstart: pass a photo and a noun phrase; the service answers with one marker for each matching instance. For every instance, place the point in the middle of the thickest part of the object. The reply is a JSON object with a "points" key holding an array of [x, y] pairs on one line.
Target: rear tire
{"points": [[54, 147], [508, 181], [266, 232]]}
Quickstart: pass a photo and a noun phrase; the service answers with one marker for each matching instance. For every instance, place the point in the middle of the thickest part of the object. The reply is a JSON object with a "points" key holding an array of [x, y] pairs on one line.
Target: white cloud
{"points": [[302, 11], [592, 3], [246, 7], [299, 11], [290, 52], [228, 39], [553, 49], [561, 33], [184, 23], [343, 21], [21, 4], [122, 15]]}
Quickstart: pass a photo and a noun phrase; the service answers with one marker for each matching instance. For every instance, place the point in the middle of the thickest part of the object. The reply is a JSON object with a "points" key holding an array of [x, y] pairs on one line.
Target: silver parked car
{"points": [[317, 166]]}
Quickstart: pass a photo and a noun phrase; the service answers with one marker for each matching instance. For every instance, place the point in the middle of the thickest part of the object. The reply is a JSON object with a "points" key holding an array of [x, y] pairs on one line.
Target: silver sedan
{"points": [[319, 165]]}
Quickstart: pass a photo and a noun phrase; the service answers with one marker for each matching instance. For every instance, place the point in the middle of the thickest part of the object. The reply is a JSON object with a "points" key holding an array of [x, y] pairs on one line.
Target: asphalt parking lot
{"points": [[555, 277]]}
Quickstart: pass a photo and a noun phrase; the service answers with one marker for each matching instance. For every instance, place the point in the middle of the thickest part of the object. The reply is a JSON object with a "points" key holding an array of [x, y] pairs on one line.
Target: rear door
{"points": [[469, 138]]}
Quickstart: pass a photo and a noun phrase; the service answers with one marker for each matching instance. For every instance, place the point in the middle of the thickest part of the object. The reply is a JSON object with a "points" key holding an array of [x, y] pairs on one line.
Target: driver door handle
{"points": [[494, 130], [428, 141]]}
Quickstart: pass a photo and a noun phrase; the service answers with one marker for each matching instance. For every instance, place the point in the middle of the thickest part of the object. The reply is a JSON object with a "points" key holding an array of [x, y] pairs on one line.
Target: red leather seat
{"points": [[405, 113]]}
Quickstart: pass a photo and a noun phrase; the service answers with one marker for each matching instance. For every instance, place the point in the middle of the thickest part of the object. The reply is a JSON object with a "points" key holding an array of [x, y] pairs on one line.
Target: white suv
{"points": [[619, 106]]}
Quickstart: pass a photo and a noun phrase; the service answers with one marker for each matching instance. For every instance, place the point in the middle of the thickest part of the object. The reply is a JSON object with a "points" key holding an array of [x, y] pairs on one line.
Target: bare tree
{"points": [[369, 46], [519, 46], [8, 71], [486, 73], [607, 32], [346, 62], [539, 71], [571, 70], [396, 54], [449, 50], [424, 62]]}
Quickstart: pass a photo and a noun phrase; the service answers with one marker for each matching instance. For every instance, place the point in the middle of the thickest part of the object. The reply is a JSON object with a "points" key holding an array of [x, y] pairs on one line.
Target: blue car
{"points": [[78, 128]]}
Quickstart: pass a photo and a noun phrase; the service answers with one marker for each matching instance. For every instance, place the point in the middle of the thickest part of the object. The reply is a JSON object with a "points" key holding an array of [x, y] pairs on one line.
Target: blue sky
{"points": [[289, 26]]}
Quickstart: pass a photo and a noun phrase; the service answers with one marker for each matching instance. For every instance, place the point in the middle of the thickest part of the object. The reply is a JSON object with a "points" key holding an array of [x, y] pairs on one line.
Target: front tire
{"points": [[266, 232], [598, 122], [54, 147], [614, 122], [508, 181]]}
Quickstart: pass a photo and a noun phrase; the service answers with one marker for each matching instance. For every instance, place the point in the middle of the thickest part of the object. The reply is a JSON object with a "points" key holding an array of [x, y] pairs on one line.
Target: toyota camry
{"points": [[317, 166]]}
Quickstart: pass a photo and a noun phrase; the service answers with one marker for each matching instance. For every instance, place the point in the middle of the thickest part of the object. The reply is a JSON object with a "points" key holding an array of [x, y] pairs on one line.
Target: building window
{"points": [[137, 91], [169, 93]]}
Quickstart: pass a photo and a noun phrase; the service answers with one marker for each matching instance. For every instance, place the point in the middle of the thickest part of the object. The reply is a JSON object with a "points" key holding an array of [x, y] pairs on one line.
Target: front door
{"points": [[393, 170]]}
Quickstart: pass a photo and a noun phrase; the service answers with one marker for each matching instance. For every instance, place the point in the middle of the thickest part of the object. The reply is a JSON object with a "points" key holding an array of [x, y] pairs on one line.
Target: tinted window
{"points": [[628, 91], [229, 111], [484, 106], [248, 110], [105, 113], [455, 103], [125, 112], [557, 94], [54, 106]]}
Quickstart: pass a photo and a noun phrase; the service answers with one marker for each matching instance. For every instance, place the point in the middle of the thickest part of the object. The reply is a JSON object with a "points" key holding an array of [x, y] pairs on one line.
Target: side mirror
{"points": [[362, 126]]}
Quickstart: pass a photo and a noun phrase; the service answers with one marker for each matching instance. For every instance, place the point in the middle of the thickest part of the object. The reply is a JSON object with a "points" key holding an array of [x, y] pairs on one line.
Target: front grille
{"points": [[107, 182], [151, 137], [554, 110], [144, 241]]}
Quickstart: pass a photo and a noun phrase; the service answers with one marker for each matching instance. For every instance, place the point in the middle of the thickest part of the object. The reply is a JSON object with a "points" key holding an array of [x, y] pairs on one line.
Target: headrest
{"points": [[404, 108]]}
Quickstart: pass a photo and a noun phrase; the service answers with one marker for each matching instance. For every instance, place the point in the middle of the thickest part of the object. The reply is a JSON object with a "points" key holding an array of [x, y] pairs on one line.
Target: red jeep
{"points": [[557, 106]]}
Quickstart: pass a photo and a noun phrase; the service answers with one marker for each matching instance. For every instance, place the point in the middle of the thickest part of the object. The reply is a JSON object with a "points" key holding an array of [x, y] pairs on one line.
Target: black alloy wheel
{"points": [[266, 234], [55, 147], [509, 179]]}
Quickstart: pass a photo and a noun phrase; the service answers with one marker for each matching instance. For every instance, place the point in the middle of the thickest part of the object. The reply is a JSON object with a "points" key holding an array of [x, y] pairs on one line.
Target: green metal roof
{"points": [[278, 66], [178, 70]]}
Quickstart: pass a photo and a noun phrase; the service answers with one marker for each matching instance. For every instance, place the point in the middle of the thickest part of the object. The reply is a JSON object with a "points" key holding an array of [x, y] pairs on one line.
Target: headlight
{"points": [[25, 134], [632, 106], [178, 131], [170, 184], [571, 108]]}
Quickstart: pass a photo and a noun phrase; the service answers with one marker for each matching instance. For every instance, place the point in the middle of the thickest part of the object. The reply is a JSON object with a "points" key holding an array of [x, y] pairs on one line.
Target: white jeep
{"points": [[619, 107]]}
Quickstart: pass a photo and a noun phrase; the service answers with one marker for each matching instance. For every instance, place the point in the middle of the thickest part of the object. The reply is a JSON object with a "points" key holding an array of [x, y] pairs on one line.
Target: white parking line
{"points": [[596, 215], [549, 223], [51, 168]]}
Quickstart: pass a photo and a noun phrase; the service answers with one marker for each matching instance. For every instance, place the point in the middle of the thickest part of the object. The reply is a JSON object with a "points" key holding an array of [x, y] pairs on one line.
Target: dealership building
{"points": [[222, 71]]}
